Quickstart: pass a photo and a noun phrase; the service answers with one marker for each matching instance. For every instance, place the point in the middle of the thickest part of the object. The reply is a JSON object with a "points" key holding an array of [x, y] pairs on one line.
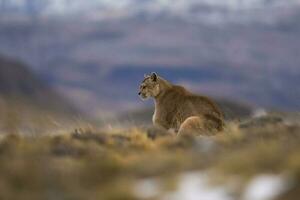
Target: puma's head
{"points": [[150, 86]]}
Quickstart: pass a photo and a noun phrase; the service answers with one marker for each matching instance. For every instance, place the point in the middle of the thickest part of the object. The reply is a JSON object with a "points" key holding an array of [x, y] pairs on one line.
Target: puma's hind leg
{"points": [[197, 125], [192, 126]]}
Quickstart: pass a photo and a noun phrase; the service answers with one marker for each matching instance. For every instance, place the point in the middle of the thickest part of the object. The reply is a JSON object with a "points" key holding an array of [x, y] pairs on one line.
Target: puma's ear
{"points": [[153, 76]]}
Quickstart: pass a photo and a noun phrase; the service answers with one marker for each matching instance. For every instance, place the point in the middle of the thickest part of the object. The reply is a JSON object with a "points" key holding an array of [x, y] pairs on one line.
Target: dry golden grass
{"points": [[97, 164]]}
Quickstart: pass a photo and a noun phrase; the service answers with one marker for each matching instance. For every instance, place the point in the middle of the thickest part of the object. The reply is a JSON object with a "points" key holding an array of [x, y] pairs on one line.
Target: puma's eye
{"points": [[143, 87]]}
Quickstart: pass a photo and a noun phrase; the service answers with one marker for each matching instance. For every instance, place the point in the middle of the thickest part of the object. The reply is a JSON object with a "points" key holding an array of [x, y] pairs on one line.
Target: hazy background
{"points": [[94, 53]]}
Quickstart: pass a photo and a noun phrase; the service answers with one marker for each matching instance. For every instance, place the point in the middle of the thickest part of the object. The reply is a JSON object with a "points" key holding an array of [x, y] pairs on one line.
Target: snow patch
{"points": [[265, 187], [259, 113], [195, 186], [148, 188]]}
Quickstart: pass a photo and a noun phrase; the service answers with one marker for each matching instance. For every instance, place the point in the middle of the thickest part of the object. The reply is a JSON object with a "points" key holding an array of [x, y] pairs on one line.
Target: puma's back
{"points": [[177, 104]]}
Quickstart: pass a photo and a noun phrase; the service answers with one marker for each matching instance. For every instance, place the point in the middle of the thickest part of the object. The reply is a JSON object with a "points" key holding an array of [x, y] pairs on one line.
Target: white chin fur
{"points": [[144, 98]]}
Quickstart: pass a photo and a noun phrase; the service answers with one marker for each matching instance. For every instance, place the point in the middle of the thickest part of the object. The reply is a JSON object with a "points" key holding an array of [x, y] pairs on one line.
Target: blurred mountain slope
{"points": [[99, 62], [19, 83], [210, 11], [27, 103]]}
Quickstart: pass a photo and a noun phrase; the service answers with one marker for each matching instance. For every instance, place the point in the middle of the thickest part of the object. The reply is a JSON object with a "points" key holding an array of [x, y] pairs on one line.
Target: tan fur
{"points": [[177, 108]]}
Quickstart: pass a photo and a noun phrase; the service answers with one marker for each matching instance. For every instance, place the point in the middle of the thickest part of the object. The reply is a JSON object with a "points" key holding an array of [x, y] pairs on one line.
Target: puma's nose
{"points": [[139, 93]]}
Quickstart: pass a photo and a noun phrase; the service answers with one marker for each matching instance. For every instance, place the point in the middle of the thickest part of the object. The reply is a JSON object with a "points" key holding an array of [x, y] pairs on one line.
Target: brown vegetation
{"points": [[98, 164]]}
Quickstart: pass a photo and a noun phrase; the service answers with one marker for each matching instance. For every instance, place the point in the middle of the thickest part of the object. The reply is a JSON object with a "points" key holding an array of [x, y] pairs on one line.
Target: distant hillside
{"points": [[25, 101], [99, 64], [213, 12], [18, 82]]}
